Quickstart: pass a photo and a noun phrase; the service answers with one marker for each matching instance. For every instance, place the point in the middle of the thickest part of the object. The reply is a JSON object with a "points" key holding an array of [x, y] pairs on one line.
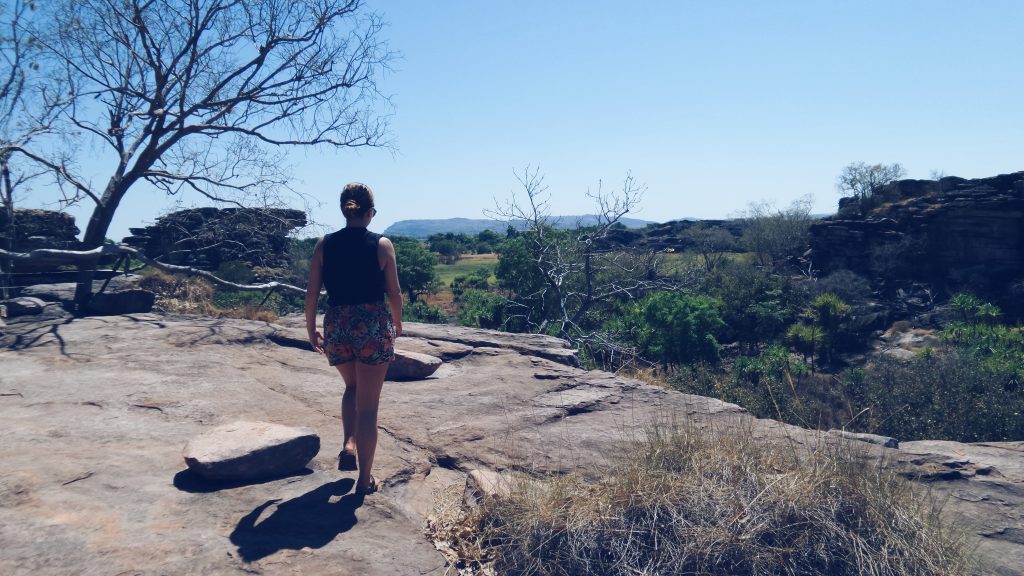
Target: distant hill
{"points": [[424, 228]]}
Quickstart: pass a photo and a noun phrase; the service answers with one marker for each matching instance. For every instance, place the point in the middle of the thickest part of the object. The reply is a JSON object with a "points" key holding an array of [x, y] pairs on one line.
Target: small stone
{"points": [[884, 441], [24, 306], [412, 366], [482, 484], [251, 451]]}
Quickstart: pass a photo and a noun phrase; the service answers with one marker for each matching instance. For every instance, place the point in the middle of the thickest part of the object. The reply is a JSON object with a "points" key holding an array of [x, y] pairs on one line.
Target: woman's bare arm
{"points": [[388, 263], [316, 279]]}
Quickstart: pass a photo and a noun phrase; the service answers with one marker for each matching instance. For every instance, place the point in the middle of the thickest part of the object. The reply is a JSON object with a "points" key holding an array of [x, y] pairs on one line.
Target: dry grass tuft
{"points": [[686, 501], [191, 295]]}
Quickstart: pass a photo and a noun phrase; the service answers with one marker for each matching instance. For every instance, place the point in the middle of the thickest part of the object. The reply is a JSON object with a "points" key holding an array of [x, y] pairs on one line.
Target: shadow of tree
{"points": [[308, 521]]}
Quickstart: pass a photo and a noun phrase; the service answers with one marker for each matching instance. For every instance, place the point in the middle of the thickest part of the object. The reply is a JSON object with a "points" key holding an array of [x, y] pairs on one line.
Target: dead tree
{"points": [[202, 95], [576, 269], [29, 104]]}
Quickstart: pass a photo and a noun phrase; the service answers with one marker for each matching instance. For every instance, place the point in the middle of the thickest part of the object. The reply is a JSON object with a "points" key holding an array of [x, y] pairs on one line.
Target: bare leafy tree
{"points": [[574, 270], [776, 235], [29, 103], [712, 243], [860, 179], [202, 95]]}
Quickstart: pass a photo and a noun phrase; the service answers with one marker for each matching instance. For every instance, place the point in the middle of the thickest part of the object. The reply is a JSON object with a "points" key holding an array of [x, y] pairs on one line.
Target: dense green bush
{"points": [[756, 306], [416, 273], [671, 327], [420, 311], [765, 385], [953, 394], [481, 309], [479, 279]]}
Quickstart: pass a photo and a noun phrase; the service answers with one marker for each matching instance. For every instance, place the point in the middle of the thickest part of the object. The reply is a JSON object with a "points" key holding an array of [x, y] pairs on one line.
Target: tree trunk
{"points": [[95, 234], [6, 265]]}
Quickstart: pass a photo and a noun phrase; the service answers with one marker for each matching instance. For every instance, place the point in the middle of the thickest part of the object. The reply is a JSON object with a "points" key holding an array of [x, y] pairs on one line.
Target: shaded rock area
{"points": [[251, 451], [117, 295], [207, 237], [95, 412], [950, 234]]}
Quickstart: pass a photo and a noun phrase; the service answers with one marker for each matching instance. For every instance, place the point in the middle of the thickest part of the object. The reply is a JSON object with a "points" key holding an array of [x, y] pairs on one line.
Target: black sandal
{"points": [[369, 489], [347, 461]]}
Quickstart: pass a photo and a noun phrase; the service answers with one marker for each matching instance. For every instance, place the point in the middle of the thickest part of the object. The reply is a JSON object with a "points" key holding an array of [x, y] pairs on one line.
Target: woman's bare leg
{"points": [[371, 380], [348, 404]]}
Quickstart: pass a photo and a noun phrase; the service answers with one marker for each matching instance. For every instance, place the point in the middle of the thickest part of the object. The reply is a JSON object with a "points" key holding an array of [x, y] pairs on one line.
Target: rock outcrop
{"points": [[207, 237], [412, 366], [96, 410], [33, 228], [116, 295], [950, 234], [251, 451]]}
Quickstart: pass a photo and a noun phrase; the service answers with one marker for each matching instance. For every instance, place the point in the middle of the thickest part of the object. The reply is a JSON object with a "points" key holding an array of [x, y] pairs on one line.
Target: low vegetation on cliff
{"points": [[683, 501]]}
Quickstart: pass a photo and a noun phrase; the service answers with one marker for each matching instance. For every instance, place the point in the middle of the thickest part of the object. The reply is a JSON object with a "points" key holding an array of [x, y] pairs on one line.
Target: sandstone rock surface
{"points": [[251, 451], [94, 412]]}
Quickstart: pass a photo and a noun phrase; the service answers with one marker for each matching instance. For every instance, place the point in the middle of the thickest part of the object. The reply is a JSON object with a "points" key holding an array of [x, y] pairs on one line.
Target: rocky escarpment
{"points": [[673, 235], [31, 229], [951, 234], [207, 237], [96, 411]]}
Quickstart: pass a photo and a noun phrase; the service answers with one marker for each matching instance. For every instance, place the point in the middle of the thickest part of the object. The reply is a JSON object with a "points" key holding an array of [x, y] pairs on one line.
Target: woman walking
{"points": [[358, 269]]}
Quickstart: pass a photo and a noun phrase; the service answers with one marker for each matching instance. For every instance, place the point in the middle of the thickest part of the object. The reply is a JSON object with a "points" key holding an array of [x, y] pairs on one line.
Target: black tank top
{"points": [[351, 270]]}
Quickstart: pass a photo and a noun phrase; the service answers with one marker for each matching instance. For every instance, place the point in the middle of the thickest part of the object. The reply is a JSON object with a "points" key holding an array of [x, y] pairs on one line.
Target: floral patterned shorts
{"points": [[361, 332]]}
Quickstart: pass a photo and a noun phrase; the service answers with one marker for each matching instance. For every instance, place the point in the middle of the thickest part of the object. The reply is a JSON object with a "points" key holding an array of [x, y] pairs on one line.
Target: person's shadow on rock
{"points": [[307, 521]]}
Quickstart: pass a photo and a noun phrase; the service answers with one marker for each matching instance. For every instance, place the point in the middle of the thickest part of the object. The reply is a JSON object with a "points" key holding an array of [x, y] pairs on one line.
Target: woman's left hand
{"points": [[316, 339]]}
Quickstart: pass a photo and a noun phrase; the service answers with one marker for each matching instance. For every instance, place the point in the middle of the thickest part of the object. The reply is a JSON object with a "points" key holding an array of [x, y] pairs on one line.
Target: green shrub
{"points": [[671, 327], [765, 385], [420, 311], [756, 306], [479, 279], [954, 394], [481, 309], [234, 271]]}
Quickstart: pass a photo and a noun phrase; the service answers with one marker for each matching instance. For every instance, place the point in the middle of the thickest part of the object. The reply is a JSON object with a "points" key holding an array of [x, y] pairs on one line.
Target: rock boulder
{"points": [[25, 306], [251, 451], [412, 366]]}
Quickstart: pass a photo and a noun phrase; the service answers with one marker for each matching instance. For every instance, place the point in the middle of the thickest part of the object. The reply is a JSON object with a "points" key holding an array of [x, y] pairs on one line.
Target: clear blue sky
{"points": [[713, 104]]}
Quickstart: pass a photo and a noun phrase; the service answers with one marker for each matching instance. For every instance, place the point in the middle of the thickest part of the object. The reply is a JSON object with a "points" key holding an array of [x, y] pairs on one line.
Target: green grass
{"points": [[465, 266]]}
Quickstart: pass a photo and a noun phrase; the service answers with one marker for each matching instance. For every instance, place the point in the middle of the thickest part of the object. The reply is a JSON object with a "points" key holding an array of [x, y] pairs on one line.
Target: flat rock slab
{"points": [[540, 345], [65, 291], [251, 451], [439, 348]]}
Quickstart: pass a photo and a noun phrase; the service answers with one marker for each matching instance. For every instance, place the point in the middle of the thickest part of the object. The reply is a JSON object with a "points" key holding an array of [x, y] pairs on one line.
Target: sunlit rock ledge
{"points": [[95, 413]]}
